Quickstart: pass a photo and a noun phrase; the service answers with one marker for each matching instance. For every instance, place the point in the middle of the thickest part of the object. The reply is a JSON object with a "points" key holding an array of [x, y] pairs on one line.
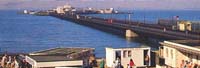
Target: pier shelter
{"points": [[179, 54], [58, 57], [138, 56]]}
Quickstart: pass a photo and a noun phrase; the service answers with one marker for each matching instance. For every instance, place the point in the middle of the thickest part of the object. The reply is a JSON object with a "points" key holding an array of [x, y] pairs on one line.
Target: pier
{"points": [[127, 28]]}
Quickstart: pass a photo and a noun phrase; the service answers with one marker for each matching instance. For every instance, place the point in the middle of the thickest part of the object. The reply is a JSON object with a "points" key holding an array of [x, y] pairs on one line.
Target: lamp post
{"points": [[129, 20]]}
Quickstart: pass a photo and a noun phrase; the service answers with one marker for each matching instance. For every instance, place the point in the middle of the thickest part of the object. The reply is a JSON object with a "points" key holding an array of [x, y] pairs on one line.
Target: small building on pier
{"points": [[140, 56], [182, 25], [58, 57], [60, 10], [179, 54]]}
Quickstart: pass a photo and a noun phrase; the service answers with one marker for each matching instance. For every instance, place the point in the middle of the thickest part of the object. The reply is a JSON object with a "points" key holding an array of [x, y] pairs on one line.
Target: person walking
{"points": [[102, 63], [119, 65], [92, 61], [114, 65], [131, 63], [128, 66], [117, 61], [9, 61], [147, 60], [3, 60]]}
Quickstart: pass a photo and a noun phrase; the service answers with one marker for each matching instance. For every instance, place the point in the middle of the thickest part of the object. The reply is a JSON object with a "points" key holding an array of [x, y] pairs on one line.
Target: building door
{"points": [[117, 54], [146, 57]]}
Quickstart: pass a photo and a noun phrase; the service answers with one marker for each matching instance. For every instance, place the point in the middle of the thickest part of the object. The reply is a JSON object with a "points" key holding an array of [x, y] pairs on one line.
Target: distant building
{"points": [[68, 8], [100, 11], [90, 8], [138, 56], [25, 11], [58, 57], [109, 10], [179, 54], [60, 10], [184, 26]]}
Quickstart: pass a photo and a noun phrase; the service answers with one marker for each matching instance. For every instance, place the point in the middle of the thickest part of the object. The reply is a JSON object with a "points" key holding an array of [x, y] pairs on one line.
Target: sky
{"points": [[117, 4]]}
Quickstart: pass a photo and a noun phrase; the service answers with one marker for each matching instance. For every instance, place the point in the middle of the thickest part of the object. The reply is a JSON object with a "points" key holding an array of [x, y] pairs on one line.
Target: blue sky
{"points": [[126, 4]]}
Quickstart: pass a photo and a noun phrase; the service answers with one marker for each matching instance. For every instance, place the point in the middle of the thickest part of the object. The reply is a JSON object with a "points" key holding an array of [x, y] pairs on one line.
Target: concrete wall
{"points": [[170, 56], [110, 56], [178, 56], [60, 63], [173, 56], [136, 55], [31, 61], [68, 67]]}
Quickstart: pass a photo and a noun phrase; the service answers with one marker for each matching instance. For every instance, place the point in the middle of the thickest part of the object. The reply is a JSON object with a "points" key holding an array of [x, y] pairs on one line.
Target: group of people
{"points": [[117, 63], [92, 61], [102, 63], [187, 64], [8, 61]]}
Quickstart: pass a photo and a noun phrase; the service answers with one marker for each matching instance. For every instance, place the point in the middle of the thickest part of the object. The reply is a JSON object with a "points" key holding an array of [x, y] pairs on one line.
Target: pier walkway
{"points": [[131, 27]]}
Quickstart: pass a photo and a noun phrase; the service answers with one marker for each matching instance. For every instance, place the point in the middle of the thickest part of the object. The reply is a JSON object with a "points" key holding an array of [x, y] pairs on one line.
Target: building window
{"points": [[166, 52], [161, 51], [124, 54], [129, 53], [172, 54]]}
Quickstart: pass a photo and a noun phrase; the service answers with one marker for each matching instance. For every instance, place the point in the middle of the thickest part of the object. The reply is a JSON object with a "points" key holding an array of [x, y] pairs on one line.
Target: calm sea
{"points": [[27, 33]]}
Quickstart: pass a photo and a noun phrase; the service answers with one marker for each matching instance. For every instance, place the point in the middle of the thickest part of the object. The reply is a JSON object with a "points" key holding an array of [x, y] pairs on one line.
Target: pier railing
{"points": [[152, 29]]}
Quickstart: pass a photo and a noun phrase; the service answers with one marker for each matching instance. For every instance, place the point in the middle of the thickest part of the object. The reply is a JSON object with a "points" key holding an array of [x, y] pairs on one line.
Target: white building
{"points": [[25, 11], [125, 54], [177, 53], [58, 57], [100, 11], [108, 10], [67, 6], [60, 10]]}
